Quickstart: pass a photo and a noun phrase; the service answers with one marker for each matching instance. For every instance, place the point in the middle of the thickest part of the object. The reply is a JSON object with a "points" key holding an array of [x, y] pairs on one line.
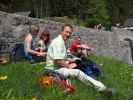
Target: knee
{"points": [[78, 72]]}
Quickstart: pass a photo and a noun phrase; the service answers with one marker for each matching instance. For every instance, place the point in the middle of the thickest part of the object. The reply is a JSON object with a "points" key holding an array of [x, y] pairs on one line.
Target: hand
{"points": [[72, 65], [85, 46], [42, 54]]}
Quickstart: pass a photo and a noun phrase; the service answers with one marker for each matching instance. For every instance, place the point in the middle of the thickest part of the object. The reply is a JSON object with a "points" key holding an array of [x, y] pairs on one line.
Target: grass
{"points": [[22, 82]]}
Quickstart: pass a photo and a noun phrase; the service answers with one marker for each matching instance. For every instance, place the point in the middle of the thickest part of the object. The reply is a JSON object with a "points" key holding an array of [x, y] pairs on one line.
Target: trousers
{"points": [[99, 86]]}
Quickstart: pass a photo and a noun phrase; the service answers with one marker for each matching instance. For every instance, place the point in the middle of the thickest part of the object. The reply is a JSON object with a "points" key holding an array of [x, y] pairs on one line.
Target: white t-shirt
{"points": [[56, 50]]}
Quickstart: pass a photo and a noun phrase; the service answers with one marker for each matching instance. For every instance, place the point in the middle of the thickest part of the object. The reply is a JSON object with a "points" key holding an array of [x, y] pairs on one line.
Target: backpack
{"points": [[17, 52], [50, 77]]}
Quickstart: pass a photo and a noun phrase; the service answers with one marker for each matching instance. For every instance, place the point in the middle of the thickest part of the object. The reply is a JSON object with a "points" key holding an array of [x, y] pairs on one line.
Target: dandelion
{"points": [[34, 98], [3, 77]]}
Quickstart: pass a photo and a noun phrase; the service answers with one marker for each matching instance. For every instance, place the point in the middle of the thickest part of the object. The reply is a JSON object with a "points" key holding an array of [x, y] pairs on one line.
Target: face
{"points": [[45, 38], [35, 33], [34, 30], [66, 33], [78, 40]]}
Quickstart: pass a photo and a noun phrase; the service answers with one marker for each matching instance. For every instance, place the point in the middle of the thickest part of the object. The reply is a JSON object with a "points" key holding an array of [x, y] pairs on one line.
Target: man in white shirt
{"points": [[56, 60]]}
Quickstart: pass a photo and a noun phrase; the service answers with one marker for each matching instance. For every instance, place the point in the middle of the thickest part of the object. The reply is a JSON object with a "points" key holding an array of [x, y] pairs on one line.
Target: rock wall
{"points": [[13, 29]]}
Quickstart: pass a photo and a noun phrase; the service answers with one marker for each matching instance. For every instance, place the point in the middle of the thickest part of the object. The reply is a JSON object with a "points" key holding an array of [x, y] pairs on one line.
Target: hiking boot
{"points": [[109, 92]]}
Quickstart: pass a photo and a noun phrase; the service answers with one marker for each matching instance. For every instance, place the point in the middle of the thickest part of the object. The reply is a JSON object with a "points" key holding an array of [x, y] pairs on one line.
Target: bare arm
{"points": [[28, 41], [85, 46], [41, 47]]}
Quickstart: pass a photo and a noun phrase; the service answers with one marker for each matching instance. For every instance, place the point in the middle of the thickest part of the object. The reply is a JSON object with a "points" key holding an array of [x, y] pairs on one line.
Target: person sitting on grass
{"points": [[56, 60], [30, 44], [76, 45], [43, 43], [77, 49]]}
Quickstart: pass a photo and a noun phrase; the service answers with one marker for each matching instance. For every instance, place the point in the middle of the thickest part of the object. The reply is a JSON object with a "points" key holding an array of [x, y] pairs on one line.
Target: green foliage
{"points": [[97, 12], [90, 11], [120, 10]]}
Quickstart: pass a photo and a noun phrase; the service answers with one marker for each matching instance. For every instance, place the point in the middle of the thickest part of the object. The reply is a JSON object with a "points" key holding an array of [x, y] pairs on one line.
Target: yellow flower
{"points": [[34, 98], [46, 81], [3, 77]]}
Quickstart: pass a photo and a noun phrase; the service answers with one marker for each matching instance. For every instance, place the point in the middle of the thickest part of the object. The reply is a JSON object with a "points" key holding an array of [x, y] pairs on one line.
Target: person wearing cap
{"points": [[76, 45]]}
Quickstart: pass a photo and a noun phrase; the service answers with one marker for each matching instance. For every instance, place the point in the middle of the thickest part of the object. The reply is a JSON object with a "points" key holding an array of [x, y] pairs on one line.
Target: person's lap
{"points": [[34, 58]]}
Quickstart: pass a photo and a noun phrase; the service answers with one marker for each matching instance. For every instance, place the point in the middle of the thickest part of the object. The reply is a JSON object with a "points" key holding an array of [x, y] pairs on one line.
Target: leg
{"points": [[82, 77], [28, 56], [97, 69]]}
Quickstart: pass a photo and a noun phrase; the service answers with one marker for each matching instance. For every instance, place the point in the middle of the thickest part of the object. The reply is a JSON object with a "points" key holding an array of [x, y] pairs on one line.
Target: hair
{"points": [[67, 25], [78, 38], [45, 34], [34, 28]]}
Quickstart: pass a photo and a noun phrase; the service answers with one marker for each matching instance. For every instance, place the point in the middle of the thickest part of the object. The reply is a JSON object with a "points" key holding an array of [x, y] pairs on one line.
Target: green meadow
{"points": [[22, 82]]}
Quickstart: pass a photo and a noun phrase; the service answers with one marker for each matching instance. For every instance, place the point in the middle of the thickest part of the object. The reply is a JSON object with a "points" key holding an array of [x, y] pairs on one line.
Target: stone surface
{"points": [[13, 29]]}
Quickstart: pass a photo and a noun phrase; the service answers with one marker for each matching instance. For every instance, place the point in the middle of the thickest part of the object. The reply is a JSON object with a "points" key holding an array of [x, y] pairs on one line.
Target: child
{"points": [[44, 41], [86, 65], [42, 45]]}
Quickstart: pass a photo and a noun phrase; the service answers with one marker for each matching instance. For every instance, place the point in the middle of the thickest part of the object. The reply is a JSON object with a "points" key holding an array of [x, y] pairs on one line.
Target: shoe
{"points": [[109, 92]]}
